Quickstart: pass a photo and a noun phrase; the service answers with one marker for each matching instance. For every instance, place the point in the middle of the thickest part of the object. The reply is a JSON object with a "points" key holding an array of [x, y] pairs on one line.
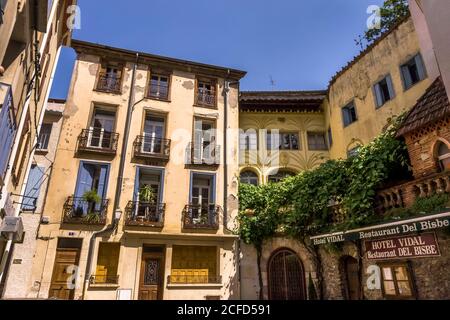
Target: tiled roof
{"points": [[281, 101], [432, 106]]}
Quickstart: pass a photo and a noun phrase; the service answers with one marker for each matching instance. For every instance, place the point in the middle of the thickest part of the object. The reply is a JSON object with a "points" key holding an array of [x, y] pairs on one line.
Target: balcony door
{"points": [[91, 176], [202, 197], [148, 194], [204, 140], [101, 129], [154, 132]]}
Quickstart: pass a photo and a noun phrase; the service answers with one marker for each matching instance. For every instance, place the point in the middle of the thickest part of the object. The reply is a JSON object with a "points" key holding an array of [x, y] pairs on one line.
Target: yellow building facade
{"points": [[166, 231]]}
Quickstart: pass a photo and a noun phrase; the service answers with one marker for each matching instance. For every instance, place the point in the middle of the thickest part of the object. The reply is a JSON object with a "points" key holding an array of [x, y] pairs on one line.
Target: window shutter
{"points": [[198, 140], [136, 184], [407, 81], [420, 66], [102, 183], [345, 116], [33, 188], [390, 87], [85, 179], [378, 96], [213, 189]]}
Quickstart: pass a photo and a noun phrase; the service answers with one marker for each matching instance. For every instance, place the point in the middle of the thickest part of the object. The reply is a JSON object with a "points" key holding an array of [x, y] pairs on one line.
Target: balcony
{"points": [[109, 83], [205, 153], [141, 214], [96, 140], [152, 148], [405, 195], [104, 280], [206, 99], [197, 216], [193, 279], [80, 211]]}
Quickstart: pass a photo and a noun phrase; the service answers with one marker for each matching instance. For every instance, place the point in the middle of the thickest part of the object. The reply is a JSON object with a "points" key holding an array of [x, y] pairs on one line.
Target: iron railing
{"points": [[206, 98], [158, 91], [98, 140], [145, 214], [194, 279], [104, 279], [149, 147], [196, 216], [109, 83], [206, 153], [79, 211]]}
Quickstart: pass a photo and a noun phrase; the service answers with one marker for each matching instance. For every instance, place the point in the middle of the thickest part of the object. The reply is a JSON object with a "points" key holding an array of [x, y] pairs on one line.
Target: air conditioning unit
{"points": [[12, 228]]}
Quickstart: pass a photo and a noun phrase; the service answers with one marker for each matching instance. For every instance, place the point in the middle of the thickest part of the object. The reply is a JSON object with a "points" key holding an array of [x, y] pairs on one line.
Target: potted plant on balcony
{"points": [[146, 196], [92, 198]]}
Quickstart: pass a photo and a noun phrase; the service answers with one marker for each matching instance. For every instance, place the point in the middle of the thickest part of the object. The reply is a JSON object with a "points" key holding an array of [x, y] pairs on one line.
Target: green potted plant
{"points": [[146, 194], [92, 198]]}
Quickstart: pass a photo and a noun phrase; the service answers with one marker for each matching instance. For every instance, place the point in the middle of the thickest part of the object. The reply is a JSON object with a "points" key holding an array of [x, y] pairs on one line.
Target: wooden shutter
{"points": [[378, 95], [390, 85], [420, 66], [407, 81], [33, 188]]}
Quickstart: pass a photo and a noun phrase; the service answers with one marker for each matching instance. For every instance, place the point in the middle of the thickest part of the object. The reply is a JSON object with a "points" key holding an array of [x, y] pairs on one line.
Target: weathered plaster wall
{"points": [[356, 84]]}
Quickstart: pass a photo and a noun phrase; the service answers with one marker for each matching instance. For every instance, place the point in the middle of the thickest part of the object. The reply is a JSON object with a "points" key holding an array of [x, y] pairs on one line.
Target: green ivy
{"points": [[433, 203]]}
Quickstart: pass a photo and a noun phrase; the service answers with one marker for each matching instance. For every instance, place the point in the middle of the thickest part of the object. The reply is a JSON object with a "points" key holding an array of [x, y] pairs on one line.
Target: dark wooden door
{"points": [[352, 284], [286, 277], [152, 277], [63, 279]]}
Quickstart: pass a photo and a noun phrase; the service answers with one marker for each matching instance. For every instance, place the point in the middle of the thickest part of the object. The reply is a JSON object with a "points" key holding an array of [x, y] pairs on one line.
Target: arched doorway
{"points": [[352, 286], [286, 276]]}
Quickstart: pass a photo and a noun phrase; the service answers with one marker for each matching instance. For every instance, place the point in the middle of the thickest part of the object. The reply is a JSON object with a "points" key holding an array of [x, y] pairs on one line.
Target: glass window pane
{"points": [[401, 273], [404, 288], [389, 288], [387, 273]]}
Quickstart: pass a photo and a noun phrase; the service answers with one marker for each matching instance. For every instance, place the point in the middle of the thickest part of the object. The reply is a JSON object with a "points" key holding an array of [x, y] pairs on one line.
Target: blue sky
{"points": [[300, 44]]}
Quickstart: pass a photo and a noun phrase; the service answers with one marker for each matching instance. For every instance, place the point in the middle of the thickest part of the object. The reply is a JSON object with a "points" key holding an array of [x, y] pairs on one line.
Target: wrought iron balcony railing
{"points": [[206, 98], [80, 211], [158, 91], [145, 214], [196, 216], [193, 279], [205, 153], [98, 140], [104, 279], [109, 83], [149, 147]]}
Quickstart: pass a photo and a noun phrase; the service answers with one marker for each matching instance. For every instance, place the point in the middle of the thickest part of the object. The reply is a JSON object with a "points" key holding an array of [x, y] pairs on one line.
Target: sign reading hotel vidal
{"points": [[413, 246], [405, 227]]}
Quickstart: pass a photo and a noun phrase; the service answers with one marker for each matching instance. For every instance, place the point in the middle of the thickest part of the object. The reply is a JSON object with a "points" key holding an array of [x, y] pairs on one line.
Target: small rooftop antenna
{"points": [[272, 82]]}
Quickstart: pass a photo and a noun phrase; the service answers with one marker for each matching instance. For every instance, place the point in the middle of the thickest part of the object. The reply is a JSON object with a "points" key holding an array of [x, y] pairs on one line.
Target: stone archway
{"points": [[286, 276]]}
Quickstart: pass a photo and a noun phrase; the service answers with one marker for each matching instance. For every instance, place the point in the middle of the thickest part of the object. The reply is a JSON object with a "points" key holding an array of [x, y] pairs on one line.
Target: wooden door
{"points": [[352, 284], [152, 277], [63, 279], [286, 276]]}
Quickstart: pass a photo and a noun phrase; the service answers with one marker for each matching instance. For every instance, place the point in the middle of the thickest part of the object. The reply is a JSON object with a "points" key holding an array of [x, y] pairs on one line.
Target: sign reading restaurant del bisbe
{"points": [[398, 228], [414, 246]]}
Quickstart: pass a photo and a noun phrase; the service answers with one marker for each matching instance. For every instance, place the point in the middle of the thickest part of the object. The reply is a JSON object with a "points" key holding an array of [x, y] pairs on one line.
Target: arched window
{"points": [[280, 175], [443, 155], [249, 177]]}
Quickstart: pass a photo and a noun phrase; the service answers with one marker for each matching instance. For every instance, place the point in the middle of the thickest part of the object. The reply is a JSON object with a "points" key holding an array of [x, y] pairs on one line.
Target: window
{"points": [[249, 177], [110, 78], [396, 281], [153, 178], [107, 263], [383, 91], [443, 154], [330, 138], [413, 71], [2, 10], [101, 130], [280, 175], [316, 141], [159, 87], [194, 264], [33, 188], [91, 177], [353, 152], [44, 136], [204, 147], [349, 114], [7, 128], [206, 93], [282, 141], [248, 140], [203, 189], [153, 135]]}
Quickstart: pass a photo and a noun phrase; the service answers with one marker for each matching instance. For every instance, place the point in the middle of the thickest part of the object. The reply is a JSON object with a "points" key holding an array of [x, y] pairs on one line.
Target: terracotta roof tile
{"points": [[432, 106]]}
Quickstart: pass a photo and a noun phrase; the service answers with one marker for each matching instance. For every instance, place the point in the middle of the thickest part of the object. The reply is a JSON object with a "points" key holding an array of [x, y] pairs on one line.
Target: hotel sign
{"points": [[398, 228], [414, 246]]}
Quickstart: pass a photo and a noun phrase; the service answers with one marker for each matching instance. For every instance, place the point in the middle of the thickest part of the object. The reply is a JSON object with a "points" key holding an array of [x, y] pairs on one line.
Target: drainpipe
{"points": [[117, 212]]}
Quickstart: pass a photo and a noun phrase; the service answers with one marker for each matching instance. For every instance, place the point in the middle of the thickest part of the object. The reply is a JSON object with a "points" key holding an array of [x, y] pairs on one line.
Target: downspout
{"points": [[116, 213]]}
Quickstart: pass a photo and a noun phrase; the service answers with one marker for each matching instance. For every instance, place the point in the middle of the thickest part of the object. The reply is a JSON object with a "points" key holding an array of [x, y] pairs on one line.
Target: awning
{"points": [[396, 228]]}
